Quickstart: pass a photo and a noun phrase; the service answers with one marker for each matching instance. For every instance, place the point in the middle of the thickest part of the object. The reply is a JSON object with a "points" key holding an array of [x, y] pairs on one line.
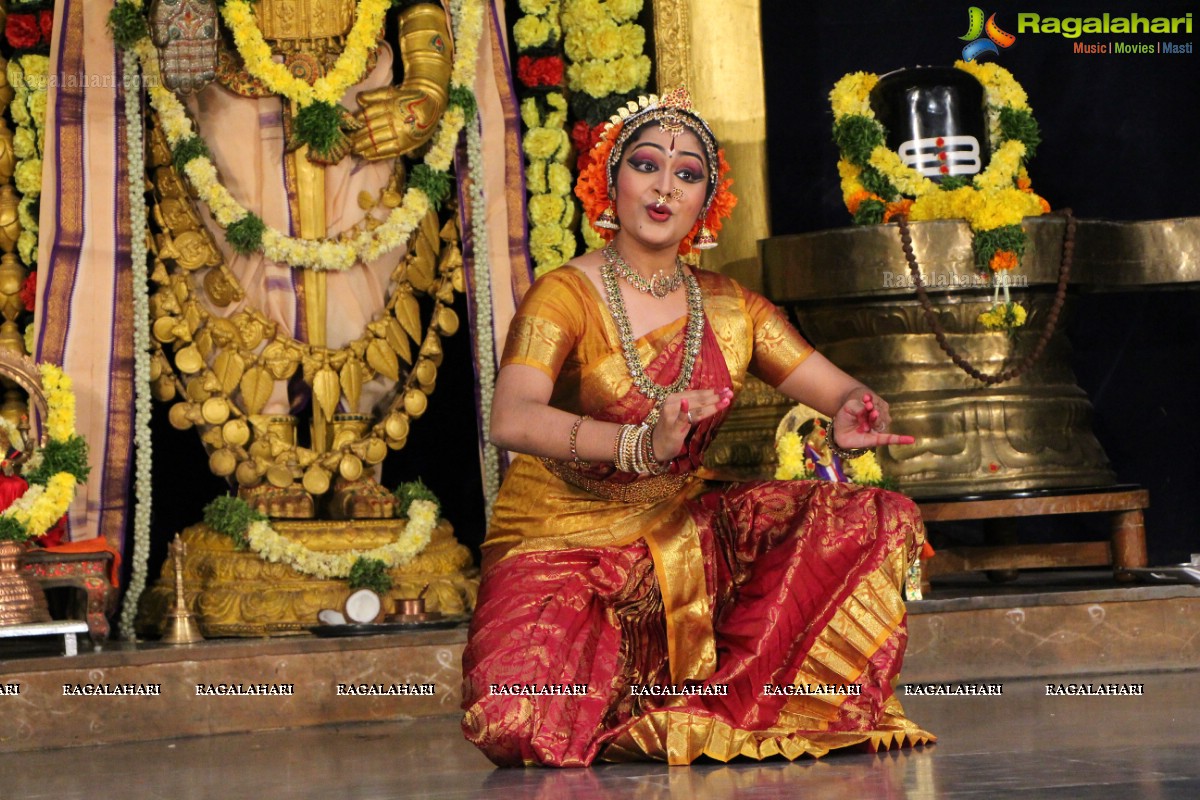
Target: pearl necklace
{"points": [[692, 338], [659, 286]]}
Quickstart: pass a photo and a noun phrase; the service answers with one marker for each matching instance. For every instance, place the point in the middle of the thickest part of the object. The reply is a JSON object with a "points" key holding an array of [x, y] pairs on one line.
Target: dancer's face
{"points": [[661, 185]]}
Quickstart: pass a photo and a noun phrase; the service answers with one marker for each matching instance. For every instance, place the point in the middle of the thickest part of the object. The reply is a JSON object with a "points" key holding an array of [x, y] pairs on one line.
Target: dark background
{"points": [[1120, 141]]}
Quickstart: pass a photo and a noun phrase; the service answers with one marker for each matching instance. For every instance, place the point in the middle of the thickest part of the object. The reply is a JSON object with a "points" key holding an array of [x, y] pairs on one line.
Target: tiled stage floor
{"points": [[1022, 744]]}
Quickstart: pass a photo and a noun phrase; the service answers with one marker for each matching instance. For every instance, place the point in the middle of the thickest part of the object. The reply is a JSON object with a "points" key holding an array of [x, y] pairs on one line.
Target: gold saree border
{"points": [[863, 622]]}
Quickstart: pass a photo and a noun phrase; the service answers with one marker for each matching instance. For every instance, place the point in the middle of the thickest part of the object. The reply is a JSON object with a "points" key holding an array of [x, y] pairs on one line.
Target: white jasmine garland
{"points": [[484, 335], [326, 254], [143, 464], [271, 546]]}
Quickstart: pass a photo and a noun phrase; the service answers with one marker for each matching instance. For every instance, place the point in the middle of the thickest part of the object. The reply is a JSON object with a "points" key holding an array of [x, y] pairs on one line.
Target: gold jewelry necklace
{"points": [[691, 344], [659, 286]]}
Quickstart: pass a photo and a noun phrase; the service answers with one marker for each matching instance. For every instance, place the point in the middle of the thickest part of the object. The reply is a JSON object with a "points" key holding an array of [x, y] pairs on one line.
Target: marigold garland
{"points": [[49, 493], [551, 211], [319, 100], [27, 75], [877, 185]]}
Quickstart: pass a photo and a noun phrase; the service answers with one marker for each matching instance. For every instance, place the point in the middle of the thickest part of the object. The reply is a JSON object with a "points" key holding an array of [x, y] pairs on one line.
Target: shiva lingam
{"points": [[994, 406]]}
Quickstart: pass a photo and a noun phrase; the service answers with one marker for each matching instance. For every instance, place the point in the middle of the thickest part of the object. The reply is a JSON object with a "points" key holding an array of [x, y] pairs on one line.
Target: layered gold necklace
{"points": [[659, 286], [692, 338]]}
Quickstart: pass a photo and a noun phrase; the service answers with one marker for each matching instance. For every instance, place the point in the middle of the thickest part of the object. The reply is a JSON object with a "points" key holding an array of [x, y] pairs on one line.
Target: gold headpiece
{"points": [[673, 113]]}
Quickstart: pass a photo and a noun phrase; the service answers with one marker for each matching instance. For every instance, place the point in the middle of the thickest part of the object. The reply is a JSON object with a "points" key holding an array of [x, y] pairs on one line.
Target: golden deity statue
{"points": [[254, 326]]}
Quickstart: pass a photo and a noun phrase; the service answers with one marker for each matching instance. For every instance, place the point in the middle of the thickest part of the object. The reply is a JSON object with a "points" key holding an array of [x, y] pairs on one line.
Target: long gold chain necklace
{"points": [[659, 286], [691, 344]]}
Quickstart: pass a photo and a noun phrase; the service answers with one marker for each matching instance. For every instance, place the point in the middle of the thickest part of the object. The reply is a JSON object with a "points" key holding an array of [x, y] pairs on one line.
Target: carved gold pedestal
{"points": [[848, 289], [237, 593]]}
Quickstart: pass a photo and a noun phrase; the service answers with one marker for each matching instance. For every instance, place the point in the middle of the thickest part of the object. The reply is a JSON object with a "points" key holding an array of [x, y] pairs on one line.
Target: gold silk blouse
{"points": [[563, 327]]}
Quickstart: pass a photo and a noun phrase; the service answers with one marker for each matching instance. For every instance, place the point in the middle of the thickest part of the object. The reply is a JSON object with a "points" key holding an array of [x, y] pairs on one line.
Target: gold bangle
{"points": [[629, 448], [574, 436], [643, 468], [653, 465]]}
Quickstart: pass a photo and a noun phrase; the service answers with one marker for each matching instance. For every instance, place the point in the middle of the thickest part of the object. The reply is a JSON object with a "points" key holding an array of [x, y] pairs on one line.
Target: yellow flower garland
{"points": [[603, 48], [605, 44], [330, 253], [851, 97], [998, 197], [41, 507], [27, 77], [271, 546], [552, 209], [329, 88]]}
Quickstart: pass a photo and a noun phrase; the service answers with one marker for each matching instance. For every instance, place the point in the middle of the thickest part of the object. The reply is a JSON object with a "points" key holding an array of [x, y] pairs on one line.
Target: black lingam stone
{"points": [[935, 119]]}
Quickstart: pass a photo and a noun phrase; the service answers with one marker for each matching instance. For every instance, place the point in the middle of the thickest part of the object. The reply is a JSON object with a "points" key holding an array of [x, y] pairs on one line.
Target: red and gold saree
{"points": [[704, 619]]}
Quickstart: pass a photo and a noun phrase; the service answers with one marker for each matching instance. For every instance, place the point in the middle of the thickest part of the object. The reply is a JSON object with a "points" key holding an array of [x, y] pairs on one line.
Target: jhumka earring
{"points": [[705, 240], [608, 220]]}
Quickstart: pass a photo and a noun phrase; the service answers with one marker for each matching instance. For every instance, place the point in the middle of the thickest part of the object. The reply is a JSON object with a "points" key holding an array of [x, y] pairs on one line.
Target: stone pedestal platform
{"points": [[968, 631]]}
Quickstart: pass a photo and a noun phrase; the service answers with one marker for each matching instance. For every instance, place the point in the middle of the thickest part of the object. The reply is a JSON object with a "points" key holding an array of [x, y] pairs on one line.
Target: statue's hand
{"points": [[395, 120], [338, 151], [185, 33]]}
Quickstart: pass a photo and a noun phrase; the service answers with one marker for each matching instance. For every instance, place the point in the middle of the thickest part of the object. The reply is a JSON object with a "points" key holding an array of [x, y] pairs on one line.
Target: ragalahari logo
{"points": [[979, 44]]}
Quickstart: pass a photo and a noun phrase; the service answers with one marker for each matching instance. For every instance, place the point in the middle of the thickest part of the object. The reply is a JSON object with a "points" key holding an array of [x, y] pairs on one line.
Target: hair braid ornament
{"points": [[673, 112]]}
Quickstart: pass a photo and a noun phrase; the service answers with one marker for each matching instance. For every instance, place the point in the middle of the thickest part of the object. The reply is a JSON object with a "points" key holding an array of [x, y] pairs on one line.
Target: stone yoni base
{"points": [[236, 593]]}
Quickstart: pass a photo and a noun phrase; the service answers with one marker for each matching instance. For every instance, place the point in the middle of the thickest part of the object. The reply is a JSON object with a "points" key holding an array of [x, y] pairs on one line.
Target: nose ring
{"points": [[677, 193]]}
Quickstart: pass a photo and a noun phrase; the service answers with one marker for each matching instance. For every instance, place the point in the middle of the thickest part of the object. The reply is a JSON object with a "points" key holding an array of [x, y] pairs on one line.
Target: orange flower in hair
{"points": [[594, 191], [592, 186], [720, 207]]}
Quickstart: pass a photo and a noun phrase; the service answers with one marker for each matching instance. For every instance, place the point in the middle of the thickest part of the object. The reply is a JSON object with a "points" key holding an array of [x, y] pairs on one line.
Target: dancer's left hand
{"points": [[863, 421]]}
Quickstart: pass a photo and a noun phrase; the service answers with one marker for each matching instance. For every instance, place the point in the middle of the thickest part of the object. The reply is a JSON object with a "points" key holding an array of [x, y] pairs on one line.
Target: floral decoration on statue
{"points": [[250, 529], [320, 118], [50, 473], [428, 183], [877, 185]]}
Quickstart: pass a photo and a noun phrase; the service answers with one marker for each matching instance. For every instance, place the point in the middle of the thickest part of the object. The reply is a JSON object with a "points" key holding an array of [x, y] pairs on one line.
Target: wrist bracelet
{"points": [[574, 436], [653, 465], [841, 452], [626, 448]]}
